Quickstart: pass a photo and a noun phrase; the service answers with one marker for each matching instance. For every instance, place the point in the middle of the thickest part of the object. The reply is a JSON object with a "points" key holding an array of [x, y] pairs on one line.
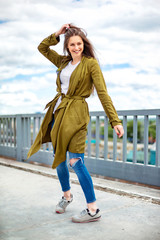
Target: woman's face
{"points": [[75, 46]]}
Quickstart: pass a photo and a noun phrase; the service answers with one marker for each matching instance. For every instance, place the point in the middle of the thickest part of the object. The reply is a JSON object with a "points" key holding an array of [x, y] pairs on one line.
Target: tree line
{"points": [[140, 130]]}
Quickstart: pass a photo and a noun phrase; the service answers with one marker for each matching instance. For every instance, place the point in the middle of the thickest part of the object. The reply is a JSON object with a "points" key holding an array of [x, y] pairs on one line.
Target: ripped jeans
{"points": [[82, 173]]}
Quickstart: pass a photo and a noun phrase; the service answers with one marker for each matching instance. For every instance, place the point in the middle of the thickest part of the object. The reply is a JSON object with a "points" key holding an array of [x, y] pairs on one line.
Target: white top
{"points": [[65, 78]]}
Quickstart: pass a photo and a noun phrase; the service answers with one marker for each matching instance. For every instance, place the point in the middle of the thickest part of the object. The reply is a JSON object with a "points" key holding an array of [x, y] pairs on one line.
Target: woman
{"points": [[65, 123]]}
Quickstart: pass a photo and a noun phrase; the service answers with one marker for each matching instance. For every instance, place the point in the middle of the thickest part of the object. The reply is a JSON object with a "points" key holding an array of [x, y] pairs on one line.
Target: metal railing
{"points": [[105, 154]]}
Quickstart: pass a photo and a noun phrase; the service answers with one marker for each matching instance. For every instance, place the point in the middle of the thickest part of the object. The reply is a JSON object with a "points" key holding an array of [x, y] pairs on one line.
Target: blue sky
{"points": [[125, 34]]}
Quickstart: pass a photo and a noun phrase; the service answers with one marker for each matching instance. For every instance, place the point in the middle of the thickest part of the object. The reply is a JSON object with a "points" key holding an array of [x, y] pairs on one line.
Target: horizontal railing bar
{"points": [[139, 112], [23, 115], [8, 116], [143, 112]]}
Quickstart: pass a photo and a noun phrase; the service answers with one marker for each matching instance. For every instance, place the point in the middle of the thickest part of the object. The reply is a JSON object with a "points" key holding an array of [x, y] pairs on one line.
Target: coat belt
{"points": [[64, 96], [72, 97]]}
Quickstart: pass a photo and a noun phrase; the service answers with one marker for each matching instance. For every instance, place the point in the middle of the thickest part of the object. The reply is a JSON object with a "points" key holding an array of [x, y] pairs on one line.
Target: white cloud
{"points": [[27, 96], [121, 31], [129, 91]]}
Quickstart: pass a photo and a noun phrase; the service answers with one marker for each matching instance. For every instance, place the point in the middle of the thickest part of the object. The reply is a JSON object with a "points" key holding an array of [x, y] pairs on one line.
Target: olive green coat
{"points": [[72, 115]]}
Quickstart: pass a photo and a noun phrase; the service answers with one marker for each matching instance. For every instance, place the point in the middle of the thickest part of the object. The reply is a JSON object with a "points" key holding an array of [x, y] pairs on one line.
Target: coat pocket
{"points": [[77, 115], [81, 112]]}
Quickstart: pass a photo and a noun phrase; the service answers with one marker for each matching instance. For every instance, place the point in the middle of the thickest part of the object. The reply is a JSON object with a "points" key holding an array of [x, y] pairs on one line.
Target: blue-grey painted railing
{"points": [[107, 157]]}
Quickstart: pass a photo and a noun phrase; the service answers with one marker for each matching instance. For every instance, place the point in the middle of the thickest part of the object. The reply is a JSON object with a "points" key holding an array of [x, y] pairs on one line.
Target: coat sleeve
{"points": [[99, 83], [44, 48]]}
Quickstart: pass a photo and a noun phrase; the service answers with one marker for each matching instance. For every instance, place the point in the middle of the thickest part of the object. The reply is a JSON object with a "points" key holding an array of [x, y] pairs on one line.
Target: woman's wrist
{"points": [[57, 34]]}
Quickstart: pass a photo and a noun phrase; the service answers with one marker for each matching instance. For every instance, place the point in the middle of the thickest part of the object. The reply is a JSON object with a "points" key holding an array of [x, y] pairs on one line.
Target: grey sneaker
{"points": [[63, 203], [85, 216]]}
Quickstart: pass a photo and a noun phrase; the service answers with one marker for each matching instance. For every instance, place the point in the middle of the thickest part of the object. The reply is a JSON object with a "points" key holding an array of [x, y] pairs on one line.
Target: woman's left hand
{"points": [[119, 130]]}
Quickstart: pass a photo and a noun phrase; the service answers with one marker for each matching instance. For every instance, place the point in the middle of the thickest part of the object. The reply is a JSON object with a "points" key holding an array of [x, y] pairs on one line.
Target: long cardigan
{"points": [[72, 115]]}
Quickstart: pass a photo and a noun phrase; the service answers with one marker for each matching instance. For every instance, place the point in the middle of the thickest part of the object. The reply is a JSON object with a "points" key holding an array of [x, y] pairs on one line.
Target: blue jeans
{"points": [[83, 175]]}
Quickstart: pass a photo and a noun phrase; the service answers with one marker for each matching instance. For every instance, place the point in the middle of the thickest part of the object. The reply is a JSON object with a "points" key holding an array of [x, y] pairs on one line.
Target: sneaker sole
{"points": [[59, 212], [91, 220]]}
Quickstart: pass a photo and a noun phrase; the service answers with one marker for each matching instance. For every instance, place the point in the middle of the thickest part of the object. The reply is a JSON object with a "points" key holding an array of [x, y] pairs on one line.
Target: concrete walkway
{"points": [[27, 203]]}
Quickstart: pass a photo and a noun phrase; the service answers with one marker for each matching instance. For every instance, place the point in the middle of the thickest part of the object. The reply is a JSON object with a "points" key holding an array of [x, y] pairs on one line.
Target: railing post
{"points": [[89, 137], [114, 145], [105, 138], [125, 138], [146, 124], [0, 131], [19, 137], [135, 139], [97, 136], [157, 140]]}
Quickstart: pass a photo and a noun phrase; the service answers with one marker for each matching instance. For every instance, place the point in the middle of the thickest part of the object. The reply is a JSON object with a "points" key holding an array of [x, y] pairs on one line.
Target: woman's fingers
{"points": [[119, 130], [63, 28], [116, 130]]}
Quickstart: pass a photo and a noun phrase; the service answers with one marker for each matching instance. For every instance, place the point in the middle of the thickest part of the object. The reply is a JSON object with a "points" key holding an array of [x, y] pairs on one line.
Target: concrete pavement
{"points": [[27, 203]]}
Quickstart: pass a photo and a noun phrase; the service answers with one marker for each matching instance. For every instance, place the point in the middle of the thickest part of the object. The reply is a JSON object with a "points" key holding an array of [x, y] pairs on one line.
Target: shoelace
{"points": [[83, 212], [62, 202]]}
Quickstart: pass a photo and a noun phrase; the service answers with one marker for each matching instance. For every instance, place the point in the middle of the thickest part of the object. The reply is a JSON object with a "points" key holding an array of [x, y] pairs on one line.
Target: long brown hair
{"points": [[76, 31]]}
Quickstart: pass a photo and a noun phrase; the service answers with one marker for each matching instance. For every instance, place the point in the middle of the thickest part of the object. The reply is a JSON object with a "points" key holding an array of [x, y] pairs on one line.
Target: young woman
{"points": [[65, 123]]}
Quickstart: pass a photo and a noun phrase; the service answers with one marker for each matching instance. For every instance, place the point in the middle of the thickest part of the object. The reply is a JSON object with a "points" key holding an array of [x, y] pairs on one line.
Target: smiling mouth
{"points": [[76, 51]]}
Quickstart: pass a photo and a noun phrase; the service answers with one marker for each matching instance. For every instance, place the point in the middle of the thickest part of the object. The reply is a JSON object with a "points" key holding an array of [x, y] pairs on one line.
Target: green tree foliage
{"points": [[140, 130]]}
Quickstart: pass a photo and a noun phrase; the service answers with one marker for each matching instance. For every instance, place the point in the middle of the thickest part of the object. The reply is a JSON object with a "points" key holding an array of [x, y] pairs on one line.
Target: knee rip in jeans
{"points": [[73, 161]]}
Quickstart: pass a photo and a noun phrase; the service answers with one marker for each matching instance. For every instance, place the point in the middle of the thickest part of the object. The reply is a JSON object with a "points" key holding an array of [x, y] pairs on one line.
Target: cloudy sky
{"points": [[125, 34]]}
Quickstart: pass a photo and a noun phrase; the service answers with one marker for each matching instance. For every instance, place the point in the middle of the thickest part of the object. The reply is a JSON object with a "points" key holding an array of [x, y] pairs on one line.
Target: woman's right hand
{"points": [[62, 30]]}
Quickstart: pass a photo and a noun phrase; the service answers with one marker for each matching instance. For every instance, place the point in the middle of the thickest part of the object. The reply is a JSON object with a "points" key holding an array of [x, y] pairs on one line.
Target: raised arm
{"points": [[53, 39], [44, 48]]}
